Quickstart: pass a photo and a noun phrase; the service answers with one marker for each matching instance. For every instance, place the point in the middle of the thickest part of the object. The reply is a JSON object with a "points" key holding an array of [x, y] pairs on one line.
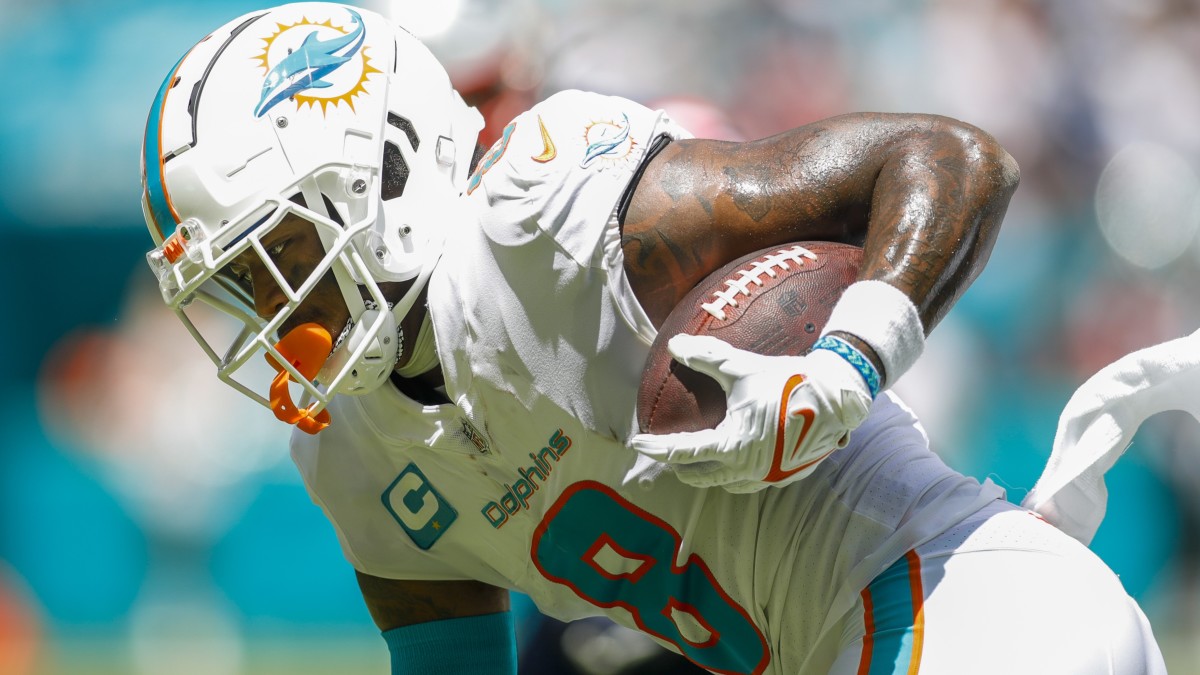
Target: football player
{"points": [[466, 331]]}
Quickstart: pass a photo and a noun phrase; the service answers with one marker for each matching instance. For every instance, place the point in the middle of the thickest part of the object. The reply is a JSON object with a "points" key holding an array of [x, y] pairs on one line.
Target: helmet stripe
{"points": [[159, 209], [160, 212]]}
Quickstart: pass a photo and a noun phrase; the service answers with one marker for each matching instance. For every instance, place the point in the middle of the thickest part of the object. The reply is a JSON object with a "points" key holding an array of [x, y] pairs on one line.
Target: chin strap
{"points": [[424, 356], [306, 347]]}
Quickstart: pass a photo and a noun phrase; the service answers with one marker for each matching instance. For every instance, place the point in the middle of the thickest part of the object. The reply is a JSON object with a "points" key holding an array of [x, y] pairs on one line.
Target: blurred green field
{"points": [[284, 656], [345, 655]]}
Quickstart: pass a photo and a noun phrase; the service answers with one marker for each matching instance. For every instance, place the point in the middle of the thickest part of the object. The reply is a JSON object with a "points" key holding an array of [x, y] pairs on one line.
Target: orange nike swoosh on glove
{"points": [[776, 472]]}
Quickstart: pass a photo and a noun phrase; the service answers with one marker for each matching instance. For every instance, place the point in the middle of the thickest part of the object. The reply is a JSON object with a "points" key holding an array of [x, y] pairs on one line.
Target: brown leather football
{"points": [[772, 302]]}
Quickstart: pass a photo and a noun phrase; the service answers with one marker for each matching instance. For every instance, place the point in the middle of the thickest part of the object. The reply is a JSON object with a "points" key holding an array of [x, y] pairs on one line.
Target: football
{"points": [[773, 302]]}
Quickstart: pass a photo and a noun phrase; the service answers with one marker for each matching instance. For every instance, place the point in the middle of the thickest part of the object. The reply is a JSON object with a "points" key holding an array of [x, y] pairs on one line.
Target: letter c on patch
{"points": [[418, 507], [415, 492]]}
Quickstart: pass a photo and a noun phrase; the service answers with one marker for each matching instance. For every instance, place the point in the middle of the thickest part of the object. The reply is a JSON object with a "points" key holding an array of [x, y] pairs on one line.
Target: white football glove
{"points": [[786, 414]]}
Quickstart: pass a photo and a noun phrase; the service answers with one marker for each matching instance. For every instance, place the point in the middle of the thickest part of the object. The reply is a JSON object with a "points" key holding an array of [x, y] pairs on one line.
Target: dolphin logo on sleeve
{"points": [[305, 67]]}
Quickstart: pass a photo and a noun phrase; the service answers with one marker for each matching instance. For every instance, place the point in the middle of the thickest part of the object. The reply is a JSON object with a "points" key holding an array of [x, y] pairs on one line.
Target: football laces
{"points": [[767, 266]]}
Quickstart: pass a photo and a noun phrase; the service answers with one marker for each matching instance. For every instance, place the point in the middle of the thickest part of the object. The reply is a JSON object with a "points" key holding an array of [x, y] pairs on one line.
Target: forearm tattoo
{"points": [[923, 195], [395, 603]]}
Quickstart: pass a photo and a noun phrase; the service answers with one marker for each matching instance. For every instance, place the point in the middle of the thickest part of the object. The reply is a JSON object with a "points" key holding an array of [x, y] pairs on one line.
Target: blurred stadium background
{"points": [[151, 522]]}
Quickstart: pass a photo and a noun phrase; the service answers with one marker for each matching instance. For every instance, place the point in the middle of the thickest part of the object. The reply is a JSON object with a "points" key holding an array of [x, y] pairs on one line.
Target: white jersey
{"points": [[526, 481]]}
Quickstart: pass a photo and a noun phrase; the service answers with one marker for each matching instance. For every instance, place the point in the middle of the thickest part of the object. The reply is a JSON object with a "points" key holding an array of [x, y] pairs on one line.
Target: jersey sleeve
{"points": [[560, 168]]}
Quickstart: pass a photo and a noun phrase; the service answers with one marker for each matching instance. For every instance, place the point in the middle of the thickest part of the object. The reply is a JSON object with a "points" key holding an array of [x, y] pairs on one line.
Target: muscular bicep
{"points": [[702, 203], [853, 178], [394, 603]]}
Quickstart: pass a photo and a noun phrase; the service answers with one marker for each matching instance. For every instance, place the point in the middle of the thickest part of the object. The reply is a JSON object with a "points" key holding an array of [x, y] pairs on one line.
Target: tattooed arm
{"points": [[394, 603], [924, 196]]}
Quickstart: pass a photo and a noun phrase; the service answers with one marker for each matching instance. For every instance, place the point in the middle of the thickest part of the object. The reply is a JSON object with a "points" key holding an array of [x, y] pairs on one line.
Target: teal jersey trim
{"points": [[480, 645]]}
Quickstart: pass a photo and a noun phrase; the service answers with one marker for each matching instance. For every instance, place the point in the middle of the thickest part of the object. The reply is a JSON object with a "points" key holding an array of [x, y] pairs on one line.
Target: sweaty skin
{"points": [[923, 195], [295, 248], [394, 603]]}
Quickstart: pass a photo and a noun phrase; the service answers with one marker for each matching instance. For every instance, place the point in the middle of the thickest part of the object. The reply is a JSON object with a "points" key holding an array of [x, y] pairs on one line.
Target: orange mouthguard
{"points": [[305, 347]]}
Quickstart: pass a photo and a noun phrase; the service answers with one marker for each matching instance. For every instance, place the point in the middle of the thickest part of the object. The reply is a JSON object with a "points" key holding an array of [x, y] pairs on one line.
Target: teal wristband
{"points": [[855, 358], [480, 645]]}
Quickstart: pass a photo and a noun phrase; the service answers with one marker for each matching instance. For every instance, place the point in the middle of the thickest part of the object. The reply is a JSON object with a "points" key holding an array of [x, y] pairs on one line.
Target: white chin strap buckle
{"points": [[378, 358]]}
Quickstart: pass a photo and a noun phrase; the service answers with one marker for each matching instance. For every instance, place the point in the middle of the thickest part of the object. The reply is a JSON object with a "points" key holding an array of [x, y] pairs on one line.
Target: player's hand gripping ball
{"points": [[727, 399]]}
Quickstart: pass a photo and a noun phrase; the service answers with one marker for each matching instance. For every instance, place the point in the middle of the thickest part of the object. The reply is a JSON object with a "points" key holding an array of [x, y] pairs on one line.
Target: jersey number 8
{"points": [[613, 554]]}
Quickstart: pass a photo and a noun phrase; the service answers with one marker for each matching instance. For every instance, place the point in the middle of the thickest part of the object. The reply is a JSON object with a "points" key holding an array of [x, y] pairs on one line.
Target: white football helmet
{"points": [[314, 110]]}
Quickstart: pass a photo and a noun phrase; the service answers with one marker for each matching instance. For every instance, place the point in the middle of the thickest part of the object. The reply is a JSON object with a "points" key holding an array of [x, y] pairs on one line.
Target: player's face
{"points": [[296, 249]]}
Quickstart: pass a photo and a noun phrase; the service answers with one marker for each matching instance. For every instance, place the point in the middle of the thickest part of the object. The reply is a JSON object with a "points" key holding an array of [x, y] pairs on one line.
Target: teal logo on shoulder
{"points": [[421, 510]]}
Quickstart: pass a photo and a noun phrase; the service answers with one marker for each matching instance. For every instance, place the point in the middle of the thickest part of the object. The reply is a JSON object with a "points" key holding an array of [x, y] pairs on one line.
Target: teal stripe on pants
{"points": [[893, 617]]}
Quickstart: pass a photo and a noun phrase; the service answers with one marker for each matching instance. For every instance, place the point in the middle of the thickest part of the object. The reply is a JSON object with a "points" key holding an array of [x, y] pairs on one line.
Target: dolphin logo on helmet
{"points": [[305, 67]]}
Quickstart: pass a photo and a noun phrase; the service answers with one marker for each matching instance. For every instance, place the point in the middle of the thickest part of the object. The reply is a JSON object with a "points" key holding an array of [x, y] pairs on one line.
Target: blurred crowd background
{"points": [[151, 521]]}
